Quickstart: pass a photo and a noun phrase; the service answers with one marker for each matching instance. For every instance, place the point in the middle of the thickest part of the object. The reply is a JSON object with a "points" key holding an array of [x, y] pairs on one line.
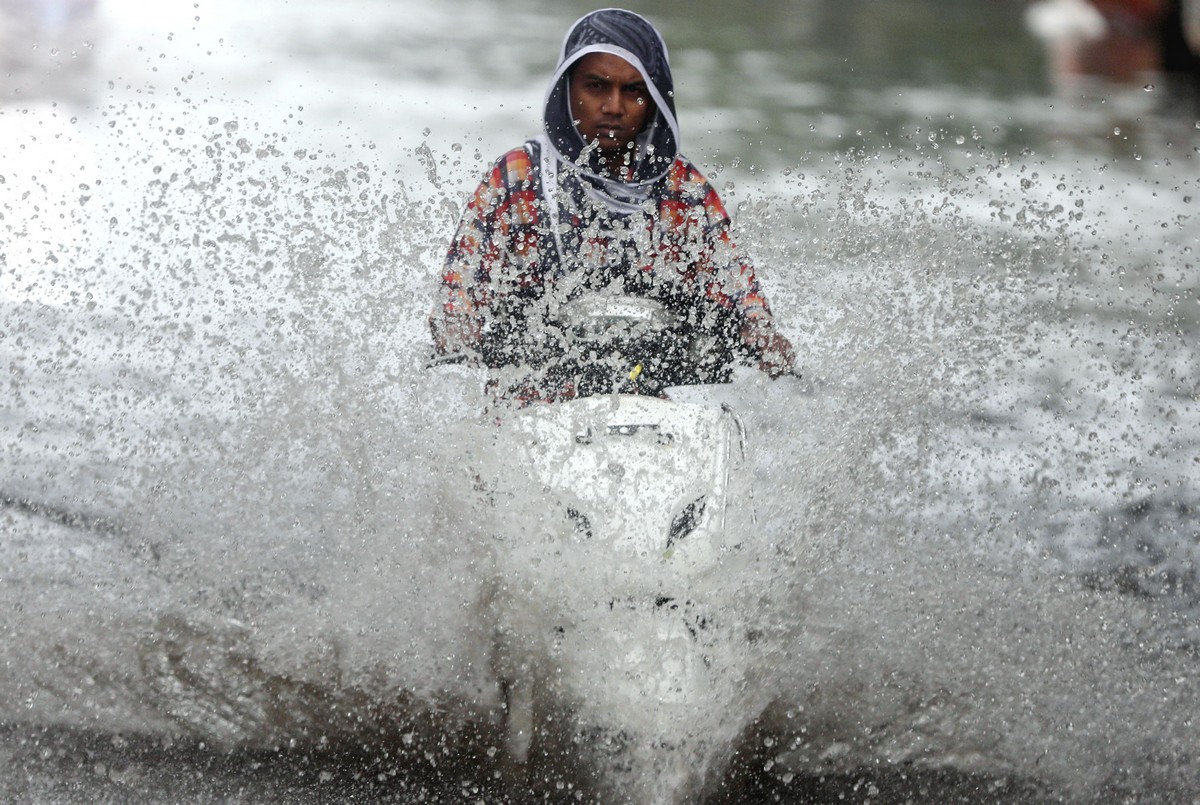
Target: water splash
{"points": [[231, 484]]}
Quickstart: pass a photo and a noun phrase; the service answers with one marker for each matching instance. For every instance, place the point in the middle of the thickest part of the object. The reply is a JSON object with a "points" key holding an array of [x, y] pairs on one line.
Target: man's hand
{"points": [[776, 356]]}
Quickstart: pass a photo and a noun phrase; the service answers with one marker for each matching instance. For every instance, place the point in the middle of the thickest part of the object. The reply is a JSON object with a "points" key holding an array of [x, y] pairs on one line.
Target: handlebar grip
{"points": [[446, 360]]}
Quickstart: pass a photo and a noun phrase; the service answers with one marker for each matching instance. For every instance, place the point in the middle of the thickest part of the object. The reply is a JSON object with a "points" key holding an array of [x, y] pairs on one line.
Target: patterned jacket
{"points": [[508, 253]]}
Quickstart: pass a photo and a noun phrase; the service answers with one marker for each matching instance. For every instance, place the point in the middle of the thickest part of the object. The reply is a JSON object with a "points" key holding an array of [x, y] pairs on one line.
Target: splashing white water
{"points": [[229, 483]]}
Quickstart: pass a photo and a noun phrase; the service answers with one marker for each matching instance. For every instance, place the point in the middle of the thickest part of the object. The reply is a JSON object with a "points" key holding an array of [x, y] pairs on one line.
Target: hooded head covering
{"points": [[631, 37]]}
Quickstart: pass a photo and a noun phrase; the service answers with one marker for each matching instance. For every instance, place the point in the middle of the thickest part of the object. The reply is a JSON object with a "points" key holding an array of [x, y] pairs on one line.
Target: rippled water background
{"points": [[228, 567]]}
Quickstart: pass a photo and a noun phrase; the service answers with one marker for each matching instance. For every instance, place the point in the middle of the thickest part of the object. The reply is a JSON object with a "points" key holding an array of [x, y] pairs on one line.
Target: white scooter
{"points": [[619, 521]]}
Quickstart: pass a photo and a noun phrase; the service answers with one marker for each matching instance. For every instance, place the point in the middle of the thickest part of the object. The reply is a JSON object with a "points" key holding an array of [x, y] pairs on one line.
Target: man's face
{"points": [[609, 100]]}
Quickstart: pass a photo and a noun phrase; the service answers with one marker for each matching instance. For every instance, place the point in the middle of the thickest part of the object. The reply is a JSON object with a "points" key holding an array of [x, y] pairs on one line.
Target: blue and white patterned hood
{"points": [[630, 36]]}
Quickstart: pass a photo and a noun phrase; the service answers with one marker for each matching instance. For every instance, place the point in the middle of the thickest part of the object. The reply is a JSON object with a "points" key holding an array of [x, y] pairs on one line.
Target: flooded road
{"points": [[230, 563]]}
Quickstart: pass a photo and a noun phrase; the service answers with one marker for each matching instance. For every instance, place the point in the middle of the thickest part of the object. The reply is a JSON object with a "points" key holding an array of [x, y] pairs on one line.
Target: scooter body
{"points": [[618, 524]]}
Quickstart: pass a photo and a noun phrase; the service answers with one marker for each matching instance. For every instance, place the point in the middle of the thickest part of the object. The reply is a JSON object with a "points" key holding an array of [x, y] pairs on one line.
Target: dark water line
{"points": [[413, 764], [59, 515]]}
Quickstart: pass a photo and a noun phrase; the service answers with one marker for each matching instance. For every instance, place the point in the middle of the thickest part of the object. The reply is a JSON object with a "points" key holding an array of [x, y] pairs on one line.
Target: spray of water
{"points": [[233, 497]]}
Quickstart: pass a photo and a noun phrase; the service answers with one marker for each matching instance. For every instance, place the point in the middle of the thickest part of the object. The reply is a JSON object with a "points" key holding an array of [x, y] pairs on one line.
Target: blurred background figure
{"points": [[1181, 37], [45, 47], [1122, 41], [1068, 28]]}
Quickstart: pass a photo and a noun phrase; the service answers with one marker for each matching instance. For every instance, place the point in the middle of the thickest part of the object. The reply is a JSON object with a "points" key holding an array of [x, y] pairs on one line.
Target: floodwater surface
{"points": [[234, 565]]}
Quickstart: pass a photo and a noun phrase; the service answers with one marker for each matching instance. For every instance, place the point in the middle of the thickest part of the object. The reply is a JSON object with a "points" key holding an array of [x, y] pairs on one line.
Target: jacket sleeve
{"points": [[493, 254], [462, 299], [728, 276]]}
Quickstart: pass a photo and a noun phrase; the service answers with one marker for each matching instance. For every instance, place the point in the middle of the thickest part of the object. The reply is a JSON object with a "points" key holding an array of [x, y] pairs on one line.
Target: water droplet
{"points": [[426, 132], [1116, 130], [1149, 88], [960, 139]]}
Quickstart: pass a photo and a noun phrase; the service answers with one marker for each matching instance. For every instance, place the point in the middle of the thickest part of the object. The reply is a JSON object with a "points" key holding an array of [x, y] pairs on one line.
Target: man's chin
{"points": [[609, 146]]}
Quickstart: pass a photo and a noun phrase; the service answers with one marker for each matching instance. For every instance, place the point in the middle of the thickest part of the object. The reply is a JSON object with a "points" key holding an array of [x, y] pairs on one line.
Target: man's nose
{"points": [[612, 103]]}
